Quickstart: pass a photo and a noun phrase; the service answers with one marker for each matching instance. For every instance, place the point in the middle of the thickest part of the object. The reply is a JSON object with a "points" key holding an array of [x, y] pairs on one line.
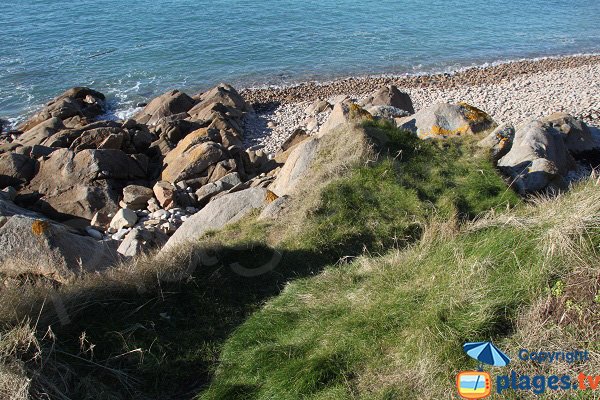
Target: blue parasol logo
{"points": [[486, 353]]}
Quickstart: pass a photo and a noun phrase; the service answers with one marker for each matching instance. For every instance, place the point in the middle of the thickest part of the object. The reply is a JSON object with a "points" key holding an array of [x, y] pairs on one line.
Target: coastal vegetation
{"points": [[391, 253]]}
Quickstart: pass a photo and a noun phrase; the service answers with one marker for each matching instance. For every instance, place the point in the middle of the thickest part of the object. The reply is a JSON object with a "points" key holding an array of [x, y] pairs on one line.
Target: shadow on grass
{"points": [[167, 339]]}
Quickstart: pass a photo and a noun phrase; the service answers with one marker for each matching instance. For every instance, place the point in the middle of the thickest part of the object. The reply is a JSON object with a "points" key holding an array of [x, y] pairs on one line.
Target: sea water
{"points": [[132, 50]]}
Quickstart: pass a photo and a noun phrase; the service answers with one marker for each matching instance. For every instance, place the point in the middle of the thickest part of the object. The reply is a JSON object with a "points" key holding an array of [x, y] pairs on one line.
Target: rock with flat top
{"points": [[136, 197]]}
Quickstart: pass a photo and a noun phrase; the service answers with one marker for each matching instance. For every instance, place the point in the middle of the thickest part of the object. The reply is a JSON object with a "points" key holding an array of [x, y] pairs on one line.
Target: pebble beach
{"points": [[509, 92]]}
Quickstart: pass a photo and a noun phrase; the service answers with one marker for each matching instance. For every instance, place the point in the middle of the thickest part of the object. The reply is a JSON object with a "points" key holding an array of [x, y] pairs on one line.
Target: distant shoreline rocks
{"points": [[187, 164]]}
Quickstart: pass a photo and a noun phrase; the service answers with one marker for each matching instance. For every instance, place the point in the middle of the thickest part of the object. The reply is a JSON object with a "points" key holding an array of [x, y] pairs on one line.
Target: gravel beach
{"points": [[509, 92]]}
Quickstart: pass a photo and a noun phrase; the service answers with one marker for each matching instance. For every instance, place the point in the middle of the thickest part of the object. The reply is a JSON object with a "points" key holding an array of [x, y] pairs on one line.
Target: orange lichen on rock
{"points": [[271, 197], [439, 131], [473, 113], [38, 227], [357, 112]]}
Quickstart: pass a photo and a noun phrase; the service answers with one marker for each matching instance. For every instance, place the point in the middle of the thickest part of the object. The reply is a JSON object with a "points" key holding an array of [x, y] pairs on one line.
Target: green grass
{"points": [[387, 203], [392, 327], [368, 326]]}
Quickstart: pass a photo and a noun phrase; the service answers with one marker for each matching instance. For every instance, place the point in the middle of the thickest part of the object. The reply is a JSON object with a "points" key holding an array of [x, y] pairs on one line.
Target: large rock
{"points": [[192, 156], [225, 210], [100, 138], [41, 132], [81, 184], [538, 159], [136, 197], [41, 247], [391, 96], [576, 134], [444, 120], [15, 169], [8, 209], [223, 94], [76, 102], [167, 104], [295, 167]]}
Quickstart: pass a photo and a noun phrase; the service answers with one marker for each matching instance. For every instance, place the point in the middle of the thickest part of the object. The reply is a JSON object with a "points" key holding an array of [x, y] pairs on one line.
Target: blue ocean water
{"points": [[135, 49]]}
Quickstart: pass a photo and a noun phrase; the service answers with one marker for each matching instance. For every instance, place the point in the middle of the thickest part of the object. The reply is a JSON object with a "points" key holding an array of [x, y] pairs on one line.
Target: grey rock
{"points": [[499, 141], [29, 245], [8, 193], [392, 96], [386, 112], [231, 179], [444, 120], [218, 213], [93, 233], [124, 218], [8, 209], [317, 107], [275, 208], [15, 169], [538, 159], [206, 192], [576, 134], [295, 167], [136, 197]]}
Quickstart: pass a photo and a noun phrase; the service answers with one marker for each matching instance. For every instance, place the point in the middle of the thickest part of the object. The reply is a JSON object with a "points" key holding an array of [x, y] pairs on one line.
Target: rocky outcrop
{"points": [[81, 184], [170, 103], [544, 152], [41, 247], [192, 156], [79, 102], [223, 94], [225, 210], [15, 169], [445, 120]]}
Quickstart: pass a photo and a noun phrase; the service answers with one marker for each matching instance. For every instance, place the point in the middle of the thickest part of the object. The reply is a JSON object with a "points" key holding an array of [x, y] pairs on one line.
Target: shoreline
{"points": [[508, 92], [486, 73]]}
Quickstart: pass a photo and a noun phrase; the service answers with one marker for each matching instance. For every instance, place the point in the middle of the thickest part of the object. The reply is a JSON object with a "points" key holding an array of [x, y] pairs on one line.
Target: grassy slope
{"points": [[391, 327], [340, 330]]}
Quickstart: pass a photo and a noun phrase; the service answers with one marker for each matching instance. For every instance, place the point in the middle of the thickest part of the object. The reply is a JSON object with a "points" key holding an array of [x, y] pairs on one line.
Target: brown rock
{"points": [[165, 194], [192, 156], [78, 101], [170, 103], [81, 184], [136, 197], [15, 169]]}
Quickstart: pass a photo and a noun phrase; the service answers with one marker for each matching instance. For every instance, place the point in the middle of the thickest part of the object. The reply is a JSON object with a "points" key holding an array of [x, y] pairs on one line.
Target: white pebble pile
{"points": [[572, 90]]}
